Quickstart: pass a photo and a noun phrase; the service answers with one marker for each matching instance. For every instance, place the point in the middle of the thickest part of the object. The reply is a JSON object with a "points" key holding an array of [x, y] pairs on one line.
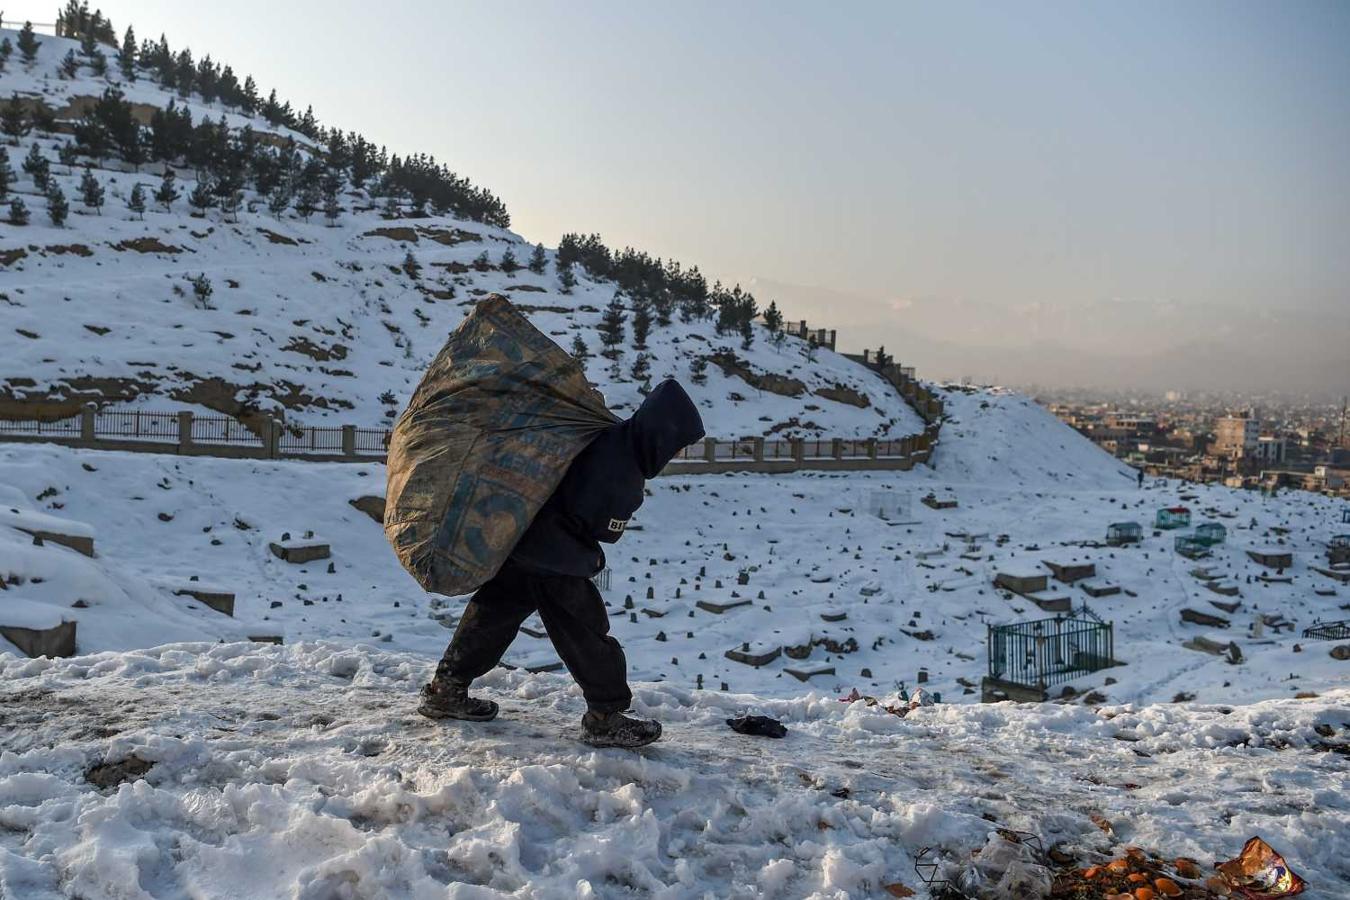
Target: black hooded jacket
{"points": [[603, 487]]}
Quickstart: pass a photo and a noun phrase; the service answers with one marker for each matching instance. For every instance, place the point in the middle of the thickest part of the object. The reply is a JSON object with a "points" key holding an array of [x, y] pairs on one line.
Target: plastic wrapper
{"points": [[1259, 873]]}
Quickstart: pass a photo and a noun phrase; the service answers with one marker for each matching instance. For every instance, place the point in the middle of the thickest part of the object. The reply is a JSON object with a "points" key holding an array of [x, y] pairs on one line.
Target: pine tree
{"points": [[566, 279], [126, 59], [579, 348], [99, 64], [6, 51], [136, 202], [482, 262], [28, 43], [202, 197], [747, 328], [698, 370], [307, 201], [773, 319], [411, 266], [201, 290], [38, 168], [279, 200], [91, 192], [67, 154], [231, 198], [70, 65], [167, 192], [12, 119], [538, 262], [642, 321], [6, 176], [18, 212], [611, 326], [42, 117], [509, 265], [57, 206], [248, 100], [331, 208], [642, 368]]}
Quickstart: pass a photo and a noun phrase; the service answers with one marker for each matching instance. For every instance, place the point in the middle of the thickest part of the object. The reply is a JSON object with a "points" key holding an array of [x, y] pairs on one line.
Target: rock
{"points": [[1341, 652]]}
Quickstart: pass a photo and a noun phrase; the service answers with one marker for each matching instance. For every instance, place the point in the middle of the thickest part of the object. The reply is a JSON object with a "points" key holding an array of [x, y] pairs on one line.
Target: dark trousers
{"points": [[573, 615]]}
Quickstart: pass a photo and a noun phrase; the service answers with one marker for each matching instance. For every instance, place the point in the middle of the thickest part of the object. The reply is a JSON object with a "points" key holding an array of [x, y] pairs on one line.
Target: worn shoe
{"points": [[452, 701], [617, 730]]}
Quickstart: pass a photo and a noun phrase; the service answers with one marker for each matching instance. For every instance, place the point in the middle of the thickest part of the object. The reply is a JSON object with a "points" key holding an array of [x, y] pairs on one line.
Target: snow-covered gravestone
{"points": [[37, 629]]}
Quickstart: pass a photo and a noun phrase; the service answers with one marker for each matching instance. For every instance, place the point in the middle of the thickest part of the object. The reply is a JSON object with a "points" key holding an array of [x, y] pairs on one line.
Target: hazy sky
{"points": [[973, 183]]}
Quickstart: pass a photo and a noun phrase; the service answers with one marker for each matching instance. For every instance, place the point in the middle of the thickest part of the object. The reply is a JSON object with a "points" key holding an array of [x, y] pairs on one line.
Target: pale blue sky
{"points": [[1019, 163]]}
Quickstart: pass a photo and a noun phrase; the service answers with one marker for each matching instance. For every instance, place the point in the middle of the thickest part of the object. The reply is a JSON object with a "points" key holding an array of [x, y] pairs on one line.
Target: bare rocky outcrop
{"points": [[783, 385]]}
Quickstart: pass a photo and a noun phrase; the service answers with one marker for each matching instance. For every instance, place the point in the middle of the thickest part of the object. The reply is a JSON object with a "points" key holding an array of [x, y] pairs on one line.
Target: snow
{"points": [[27, 520], [302, 771], [16, 612]]}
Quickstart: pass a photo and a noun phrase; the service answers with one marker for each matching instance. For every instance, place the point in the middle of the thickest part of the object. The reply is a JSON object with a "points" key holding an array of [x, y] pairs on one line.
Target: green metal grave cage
{"points": [[1190, 546], [1119, 533], [1211, 533], [1045, 652], [1173, 517]]}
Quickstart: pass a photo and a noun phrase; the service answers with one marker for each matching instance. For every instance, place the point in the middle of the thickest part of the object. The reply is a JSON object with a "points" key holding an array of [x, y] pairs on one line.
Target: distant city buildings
{"points": [[1257, 443]]}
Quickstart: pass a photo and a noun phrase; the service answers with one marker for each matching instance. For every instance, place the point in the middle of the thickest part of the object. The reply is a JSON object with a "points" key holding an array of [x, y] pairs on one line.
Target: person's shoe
{"points": [[617, 730], [452, 701]]}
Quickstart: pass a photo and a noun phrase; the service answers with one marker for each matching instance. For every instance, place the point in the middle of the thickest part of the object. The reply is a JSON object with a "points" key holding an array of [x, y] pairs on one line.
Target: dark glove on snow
{"points": [[760, 725]]}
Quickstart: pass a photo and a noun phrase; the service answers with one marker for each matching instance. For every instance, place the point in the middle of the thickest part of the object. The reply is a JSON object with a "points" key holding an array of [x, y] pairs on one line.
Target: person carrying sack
{"points": [[550, 568]]}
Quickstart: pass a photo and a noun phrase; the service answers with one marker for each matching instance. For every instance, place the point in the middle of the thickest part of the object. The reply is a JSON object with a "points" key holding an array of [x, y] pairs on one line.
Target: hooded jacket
{"points": [[604, 485]]}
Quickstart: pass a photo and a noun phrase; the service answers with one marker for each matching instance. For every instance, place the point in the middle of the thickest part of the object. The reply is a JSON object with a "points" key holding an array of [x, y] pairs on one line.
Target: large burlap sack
{"points": [[489, 433]]}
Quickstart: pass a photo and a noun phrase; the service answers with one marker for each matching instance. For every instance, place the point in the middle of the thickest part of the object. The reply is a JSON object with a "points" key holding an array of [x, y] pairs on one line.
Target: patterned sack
{"points": [[488, 435]]}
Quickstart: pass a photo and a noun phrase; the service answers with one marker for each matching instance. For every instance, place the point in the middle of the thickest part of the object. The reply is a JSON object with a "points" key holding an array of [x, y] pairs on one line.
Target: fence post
{"points": [[710, 449], [348, 440], [871, 448], [87, 422], [837, 448], [184, 430], [758, 449], [272, 439], [798, 450]]}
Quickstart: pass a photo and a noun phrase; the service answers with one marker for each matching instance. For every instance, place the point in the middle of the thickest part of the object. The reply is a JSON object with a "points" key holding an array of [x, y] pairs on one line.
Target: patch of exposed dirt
{"points": [[316, 352], [449, 236], [394, 233], [147, 245], [783, 385], [63, 249], [9, 257], [370, 505], [275, 238], [97, 329], [106, 776], [841, 394]]}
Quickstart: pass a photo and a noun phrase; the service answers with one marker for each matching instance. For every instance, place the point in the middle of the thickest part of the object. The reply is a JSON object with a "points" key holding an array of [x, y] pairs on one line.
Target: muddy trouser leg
{"points": [[577, 622], [490, 623]]}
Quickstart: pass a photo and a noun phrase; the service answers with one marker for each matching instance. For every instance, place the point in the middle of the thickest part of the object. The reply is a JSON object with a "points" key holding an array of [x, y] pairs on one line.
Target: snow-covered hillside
{"points": [[326, 324], [858, 600], [208, 771]]}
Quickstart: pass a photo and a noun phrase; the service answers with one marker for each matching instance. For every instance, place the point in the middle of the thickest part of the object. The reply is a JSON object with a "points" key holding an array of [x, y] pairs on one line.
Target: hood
{"points": [[665, 423]]}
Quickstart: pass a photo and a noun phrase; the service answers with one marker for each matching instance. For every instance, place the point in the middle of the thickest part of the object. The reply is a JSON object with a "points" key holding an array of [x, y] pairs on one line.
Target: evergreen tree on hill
{"points": [[611, 326], [18, 212], [509, 265], [6, 51], [248, 101], [126, 58], [6, 176], [642, 322], [579, 348], [167, 192], [91, 192], [567, 279], [202, 197], [70, 65], [28, 43], [57, 206], [37, 168], [42, 117], [136, 202], [12, 119], [538, 261], [331, 207]]}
